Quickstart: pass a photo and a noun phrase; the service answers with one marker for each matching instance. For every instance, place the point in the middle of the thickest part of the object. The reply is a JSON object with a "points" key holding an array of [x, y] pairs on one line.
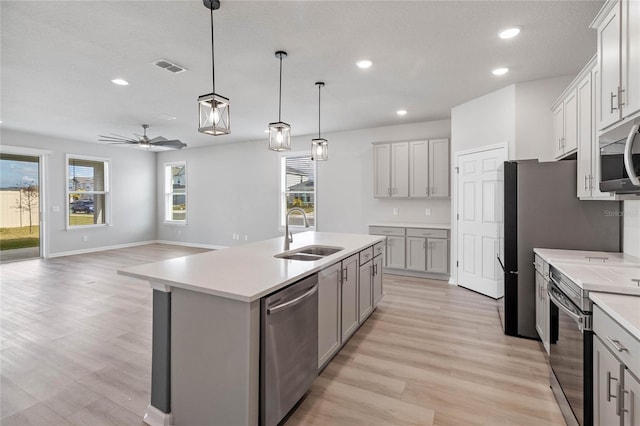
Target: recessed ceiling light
{"points": [[120, 82], [509, 32], [364, 64], [401, 112], [500, 71]]}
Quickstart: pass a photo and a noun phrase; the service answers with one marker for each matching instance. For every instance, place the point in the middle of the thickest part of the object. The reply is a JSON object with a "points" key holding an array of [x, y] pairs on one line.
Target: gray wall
{"points": [[133, 192], [234, 188]]}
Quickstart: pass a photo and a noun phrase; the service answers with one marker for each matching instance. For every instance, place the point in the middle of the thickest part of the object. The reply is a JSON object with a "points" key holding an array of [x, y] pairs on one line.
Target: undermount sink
{"points": [[309, 253]]}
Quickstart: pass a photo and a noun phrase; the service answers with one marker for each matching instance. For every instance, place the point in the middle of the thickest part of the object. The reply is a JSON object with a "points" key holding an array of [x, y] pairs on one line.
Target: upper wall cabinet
{"points": [[417, 169], [618, 27], [565, 125]]}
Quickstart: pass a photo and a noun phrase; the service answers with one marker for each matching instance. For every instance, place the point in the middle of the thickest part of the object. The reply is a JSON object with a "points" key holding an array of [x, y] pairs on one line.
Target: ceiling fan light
{"points": [[279, 136], [214, 115], [320, 149]]}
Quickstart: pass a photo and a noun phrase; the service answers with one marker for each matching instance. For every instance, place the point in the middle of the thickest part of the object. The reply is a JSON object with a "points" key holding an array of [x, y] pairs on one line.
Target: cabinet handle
{"points": [[590, 182], [613, 95], [346, 274], [621, 401], [585, 183], [609, 396], [616, 344], [620, 101]]}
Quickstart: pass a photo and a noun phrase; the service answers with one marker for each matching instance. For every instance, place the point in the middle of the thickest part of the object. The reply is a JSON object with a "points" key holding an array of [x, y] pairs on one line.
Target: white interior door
{"points": [[479, 215]]}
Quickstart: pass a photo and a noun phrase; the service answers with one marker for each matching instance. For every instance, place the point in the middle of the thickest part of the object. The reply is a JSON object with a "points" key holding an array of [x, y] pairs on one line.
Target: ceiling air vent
{"points": [[169, 66]]}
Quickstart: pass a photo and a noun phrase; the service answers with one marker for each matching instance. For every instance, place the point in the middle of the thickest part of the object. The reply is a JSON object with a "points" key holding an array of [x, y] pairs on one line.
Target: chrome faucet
{"points": [[288, 236]]}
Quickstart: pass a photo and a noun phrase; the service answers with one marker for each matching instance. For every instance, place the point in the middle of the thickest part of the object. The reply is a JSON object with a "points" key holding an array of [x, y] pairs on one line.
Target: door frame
{"points": [[43, 156], [453, 278]]}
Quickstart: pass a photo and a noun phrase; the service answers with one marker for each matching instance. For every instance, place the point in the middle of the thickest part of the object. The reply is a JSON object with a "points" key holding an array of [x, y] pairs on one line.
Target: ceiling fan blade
{"points": [[119, 138], [176, 144], [120, 143], [157, 139]]}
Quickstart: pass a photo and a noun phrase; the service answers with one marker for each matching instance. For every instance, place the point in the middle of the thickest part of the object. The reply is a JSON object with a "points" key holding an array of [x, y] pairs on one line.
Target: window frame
{"points": [[106, 192], [168, 193], [282, 190]]}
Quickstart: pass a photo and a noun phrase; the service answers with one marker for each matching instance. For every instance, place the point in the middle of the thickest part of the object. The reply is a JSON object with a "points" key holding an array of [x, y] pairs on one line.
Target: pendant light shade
{"points": [[213, 108], [319, 146], [280, 132]]}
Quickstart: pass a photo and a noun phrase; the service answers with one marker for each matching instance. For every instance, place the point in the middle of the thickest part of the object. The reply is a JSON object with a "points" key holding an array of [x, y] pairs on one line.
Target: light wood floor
{"points": [[75, 342]]}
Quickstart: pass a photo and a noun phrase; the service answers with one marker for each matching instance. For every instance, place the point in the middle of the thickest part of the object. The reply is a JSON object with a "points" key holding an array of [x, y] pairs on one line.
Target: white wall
{"points": [[631, 224], [234, 188], [534, 120], [133, 194]]}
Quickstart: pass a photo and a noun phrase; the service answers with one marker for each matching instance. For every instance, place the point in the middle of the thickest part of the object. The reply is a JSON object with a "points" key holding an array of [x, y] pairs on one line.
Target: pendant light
{"points": [[279, 132], [213, 108], [319, 146]]}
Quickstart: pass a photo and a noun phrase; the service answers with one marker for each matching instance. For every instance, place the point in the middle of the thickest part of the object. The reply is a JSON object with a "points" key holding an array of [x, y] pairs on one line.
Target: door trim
{"points": [[453, 277], [43, 156]]}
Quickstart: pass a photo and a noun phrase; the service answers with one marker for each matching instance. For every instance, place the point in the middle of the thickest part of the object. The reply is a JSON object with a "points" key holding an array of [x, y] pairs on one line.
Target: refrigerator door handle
{"points": [[502, 266]]}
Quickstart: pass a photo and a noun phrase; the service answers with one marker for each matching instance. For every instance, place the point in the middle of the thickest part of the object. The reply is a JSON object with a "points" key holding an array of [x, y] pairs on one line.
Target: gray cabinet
{"points": [[377, 279], [439, 168], [416, 253], [391, 170], [616, 367], [349, 296], [437, 255], [382, 170], [365, 283], [427, 250], [419, 169], [565, 125], [395, 252], [329, 312]]}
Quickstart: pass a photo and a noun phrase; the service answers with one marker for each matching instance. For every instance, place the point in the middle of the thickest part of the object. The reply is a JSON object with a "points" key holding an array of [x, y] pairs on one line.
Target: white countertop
{"points": [[248, 272], [602, 277], [587, 257], [624, 309], [413, 225]]}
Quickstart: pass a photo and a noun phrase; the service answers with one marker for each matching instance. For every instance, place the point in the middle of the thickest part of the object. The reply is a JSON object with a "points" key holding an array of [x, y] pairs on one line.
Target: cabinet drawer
{"points": [[427, 233], [386, 230], [617, 339], [538, 263], [366, 255], [378, 249]]}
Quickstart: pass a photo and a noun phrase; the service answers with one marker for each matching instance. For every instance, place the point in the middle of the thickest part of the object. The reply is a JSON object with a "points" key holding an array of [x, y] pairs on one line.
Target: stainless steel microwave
{"points": [[620, 162]]}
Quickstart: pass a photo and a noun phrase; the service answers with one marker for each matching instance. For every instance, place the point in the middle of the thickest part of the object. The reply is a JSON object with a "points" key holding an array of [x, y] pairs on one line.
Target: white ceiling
{"points": [[58, 59]]}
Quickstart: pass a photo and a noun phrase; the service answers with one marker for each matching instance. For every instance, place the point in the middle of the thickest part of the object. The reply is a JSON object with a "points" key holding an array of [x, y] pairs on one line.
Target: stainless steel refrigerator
{"points": [[541, 210]]}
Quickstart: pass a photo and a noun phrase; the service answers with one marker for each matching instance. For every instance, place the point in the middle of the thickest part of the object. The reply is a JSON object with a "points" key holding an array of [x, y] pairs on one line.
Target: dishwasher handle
{"points": [[292, 302]]}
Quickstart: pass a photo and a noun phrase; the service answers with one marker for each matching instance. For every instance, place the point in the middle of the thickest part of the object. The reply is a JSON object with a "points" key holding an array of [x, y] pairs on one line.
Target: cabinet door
{"points": [[400, 169], [546, 315], [349, 296], [437, 255], [630, 59], [329, 293], [382, 170], [570, 141], [631, 397], [585, 129], [439, 168], [606, 378], [416, 254], [365, 302], [418, 169], [558, 130], [395, 252], [609, 66], [377, 280], [540, 327]]}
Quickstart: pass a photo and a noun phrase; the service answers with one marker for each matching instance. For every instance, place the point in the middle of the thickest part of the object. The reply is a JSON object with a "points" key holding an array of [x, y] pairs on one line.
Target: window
{"points": [[298, 188], [87, 191], [175, 178]]}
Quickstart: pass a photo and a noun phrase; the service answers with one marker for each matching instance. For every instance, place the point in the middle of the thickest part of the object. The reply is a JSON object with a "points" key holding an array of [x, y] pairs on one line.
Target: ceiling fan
{"points": [[143, 140]]}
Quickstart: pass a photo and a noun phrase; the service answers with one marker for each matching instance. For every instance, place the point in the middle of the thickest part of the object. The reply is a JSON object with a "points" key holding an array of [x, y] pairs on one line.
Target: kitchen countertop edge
{"points": [[621, 308]]}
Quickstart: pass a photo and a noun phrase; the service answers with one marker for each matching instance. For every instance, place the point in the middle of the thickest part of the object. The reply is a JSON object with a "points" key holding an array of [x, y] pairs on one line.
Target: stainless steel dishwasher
{"points": [[288, 348]]}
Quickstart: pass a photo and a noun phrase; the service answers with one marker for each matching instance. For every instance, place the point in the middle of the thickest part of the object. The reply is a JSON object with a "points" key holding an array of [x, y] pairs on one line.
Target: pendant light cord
{"points": [[319, 86], [213, 65], [280, 92]]}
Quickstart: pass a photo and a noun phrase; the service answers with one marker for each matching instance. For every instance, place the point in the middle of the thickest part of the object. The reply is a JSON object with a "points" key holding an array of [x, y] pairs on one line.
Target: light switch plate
{"points": [[395, 211], [427, 212]]}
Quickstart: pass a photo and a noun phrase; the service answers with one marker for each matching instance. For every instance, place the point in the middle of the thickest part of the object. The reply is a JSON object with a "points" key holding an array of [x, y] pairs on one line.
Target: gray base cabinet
{"points": [[631, 401], [377, 279], [365, 290], [349, 296], [329, 312]]}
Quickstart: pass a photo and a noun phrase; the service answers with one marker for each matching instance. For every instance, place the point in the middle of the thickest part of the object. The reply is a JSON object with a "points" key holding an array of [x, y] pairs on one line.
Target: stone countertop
{"points": [[602, 277], [587, 257], [622, 308], [413, 225], [249, 272]]}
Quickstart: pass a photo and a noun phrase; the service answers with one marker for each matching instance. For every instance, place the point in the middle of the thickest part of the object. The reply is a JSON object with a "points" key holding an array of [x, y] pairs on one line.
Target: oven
{"points": [[571, 349]]}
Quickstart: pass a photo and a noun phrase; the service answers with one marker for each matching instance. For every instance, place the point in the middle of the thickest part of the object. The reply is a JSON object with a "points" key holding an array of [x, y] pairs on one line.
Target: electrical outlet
{"points": [[85, 238], [427, 212], [55, 209], [395, 211], [246, 238]]}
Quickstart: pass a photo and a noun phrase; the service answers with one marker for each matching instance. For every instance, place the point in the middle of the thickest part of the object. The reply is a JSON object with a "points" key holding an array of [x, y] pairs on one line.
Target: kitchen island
{"points": [[206, 324]]}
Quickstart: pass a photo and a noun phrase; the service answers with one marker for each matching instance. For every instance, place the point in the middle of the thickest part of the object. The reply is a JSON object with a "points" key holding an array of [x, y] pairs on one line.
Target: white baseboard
{"points": [[155, 417], [196, 245], [95, 249]]}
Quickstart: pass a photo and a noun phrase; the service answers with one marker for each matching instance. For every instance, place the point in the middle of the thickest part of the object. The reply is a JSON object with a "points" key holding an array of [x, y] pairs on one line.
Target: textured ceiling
{"points": [[58, 59]]}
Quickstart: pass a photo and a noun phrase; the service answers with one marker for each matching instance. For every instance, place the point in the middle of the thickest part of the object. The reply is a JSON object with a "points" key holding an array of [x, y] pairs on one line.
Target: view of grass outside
{"points": [[20, 237], [80, 219]]}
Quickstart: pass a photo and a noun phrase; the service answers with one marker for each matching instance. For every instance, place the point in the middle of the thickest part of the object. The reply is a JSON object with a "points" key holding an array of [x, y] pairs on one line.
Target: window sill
{"points": [[175, 222], [297, 229], [83, 227]]}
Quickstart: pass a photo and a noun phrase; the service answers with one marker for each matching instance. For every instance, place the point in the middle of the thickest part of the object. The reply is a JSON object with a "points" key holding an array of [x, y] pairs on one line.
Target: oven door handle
{"points": [[628, 155], [582, 320]]}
